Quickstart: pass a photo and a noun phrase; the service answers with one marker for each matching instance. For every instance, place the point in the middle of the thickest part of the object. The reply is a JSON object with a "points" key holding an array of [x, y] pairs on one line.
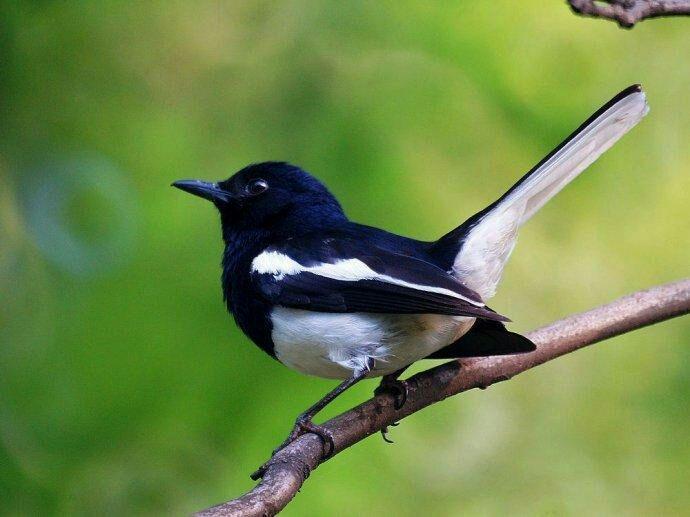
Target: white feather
{"points": [[335, 345], [486, 249], [349, 270], [276, 264]]}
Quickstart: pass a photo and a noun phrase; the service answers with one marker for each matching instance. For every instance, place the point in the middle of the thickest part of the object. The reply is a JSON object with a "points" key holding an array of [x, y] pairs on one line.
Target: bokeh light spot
{"points": [[83, 214]]}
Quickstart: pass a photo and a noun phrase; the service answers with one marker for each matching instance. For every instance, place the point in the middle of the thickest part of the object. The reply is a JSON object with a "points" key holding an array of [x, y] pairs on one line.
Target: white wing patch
{"points": [[348, 270], [276, 264], [479, 263]]}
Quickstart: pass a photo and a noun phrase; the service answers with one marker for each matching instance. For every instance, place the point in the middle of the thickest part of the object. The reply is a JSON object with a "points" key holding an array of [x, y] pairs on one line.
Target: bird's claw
{"points": [[396, 388], [384, 433], [303, 425]]}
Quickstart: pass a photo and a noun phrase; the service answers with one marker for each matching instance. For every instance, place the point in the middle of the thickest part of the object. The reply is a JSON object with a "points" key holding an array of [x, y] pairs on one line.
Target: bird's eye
{"points": [[256, 187]]}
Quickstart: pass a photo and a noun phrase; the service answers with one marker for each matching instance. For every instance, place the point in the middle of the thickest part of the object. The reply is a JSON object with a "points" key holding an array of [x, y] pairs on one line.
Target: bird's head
{"points": [[273, 197]]}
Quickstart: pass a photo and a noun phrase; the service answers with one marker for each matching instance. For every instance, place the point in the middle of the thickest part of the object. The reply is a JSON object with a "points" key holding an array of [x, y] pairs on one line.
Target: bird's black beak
{"points": [[210, 191]]}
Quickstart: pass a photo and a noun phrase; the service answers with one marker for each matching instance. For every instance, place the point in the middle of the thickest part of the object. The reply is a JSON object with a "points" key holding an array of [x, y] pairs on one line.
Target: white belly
{"points": [[334, 345]]}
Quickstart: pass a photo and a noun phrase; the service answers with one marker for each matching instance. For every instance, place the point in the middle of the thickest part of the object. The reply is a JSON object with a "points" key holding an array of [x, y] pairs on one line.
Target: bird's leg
{"points": [[392, 385], [304, 423]]}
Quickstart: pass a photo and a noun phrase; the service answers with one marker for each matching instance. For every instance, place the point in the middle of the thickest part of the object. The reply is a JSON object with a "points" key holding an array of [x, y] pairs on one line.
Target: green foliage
{"points": [[125, 387]]}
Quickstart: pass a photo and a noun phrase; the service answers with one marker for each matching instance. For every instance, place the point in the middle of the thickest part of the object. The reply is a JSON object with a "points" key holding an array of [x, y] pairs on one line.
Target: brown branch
{"points": [[290, 467], [628, 12]]}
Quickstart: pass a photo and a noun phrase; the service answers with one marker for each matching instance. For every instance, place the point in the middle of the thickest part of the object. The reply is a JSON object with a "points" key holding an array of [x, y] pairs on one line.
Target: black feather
{"points": [[486, 338], [398, 288]]}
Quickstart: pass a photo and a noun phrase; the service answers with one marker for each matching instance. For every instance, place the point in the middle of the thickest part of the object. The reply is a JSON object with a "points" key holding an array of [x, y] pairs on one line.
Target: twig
{"points": [[290, 467], [628, 12]]}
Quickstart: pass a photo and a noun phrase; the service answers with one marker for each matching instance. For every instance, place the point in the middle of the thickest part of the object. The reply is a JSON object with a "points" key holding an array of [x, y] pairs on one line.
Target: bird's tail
{"points": [[577, 152], [485, 241], [485, 338]]}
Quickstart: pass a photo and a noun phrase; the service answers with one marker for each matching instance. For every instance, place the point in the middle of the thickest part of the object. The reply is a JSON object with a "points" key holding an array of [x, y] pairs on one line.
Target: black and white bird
{"points": [[332, 298]]}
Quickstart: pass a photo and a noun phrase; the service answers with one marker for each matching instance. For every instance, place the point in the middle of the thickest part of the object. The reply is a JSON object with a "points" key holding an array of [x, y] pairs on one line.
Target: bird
{"points": [[329, 297]]}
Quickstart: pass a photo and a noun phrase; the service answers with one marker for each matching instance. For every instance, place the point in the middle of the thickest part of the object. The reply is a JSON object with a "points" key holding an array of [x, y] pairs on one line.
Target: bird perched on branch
{"points": [[333, 298]]}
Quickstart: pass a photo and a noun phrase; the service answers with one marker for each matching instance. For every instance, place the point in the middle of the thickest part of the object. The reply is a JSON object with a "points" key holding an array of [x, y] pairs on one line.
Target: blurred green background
{"points": [[125, 388]]}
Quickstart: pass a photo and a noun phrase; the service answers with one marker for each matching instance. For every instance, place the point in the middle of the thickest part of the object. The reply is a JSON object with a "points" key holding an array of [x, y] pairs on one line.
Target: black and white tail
{"points": [[489, 237]]}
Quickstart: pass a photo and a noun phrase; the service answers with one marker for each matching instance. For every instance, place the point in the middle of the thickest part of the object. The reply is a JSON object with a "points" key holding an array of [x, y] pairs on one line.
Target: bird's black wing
{"points": [[344, 275]]}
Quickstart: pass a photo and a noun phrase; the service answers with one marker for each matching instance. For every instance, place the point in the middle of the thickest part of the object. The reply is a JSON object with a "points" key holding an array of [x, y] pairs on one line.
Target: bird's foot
{"points": [[303, 425], [396, 388]]}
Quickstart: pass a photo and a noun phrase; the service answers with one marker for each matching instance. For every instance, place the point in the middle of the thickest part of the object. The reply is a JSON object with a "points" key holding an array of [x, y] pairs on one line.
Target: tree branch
{"points": [[288, 469], [628, 12]]}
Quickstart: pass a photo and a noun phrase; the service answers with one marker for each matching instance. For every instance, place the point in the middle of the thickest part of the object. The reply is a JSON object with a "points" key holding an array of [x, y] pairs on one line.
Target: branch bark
{"points": [[628, 12], [287, 470]]}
